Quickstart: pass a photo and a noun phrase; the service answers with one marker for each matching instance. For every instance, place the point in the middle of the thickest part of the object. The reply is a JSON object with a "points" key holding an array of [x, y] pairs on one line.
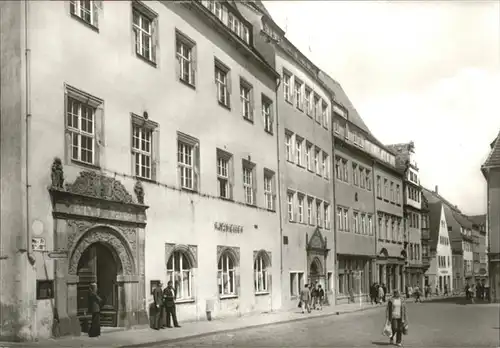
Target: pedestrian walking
{"points": [[169, 296], [95, 308], [305, 299], [158, 302], [445, 289], [385, 292], [397, 317], [314, 296], [417, 293], [321, 296], [374, 293], [381, 294]]}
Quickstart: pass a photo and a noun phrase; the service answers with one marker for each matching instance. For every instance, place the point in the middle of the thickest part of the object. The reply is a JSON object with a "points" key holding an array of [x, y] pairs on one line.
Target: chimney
{"points": [[436, 189]]}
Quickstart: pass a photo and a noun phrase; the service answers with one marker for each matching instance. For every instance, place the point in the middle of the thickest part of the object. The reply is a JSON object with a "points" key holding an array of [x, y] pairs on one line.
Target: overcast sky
{"points": [[422, 71]]}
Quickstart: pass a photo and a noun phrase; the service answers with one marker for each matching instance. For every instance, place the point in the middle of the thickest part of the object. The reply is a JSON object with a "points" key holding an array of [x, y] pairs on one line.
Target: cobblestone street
{"points": [[449, 323]]}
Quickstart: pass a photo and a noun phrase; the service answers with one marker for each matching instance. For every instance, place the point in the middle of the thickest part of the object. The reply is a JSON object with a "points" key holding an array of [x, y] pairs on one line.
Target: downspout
{"points": [[31, 259], [335, 222], [279, 175]]}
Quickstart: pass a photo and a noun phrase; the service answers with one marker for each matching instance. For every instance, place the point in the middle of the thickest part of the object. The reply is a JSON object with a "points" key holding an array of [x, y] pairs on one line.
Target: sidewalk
{"points": [[144, 336]]}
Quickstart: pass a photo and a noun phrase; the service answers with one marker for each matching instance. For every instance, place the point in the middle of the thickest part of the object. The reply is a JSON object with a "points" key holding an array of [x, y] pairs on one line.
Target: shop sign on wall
{"points": [[229, 228]]}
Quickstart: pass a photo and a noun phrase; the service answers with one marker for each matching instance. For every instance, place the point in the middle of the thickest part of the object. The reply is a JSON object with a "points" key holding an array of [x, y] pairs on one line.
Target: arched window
{"points": [[260, 274], [179, 271], [226, 275]]}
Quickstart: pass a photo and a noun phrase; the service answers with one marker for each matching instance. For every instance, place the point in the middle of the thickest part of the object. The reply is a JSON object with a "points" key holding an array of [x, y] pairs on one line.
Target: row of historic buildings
{"points": [[199, 146]]}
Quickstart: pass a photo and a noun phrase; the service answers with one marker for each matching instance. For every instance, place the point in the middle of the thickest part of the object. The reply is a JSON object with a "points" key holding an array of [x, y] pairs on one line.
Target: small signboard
{"points": [[44, 289], [38, 244]]}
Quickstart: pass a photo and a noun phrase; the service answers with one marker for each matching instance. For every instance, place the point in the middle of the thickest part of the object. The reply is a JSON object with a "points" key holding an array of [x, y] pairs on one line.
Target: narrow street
{"points": [[433, 324]]}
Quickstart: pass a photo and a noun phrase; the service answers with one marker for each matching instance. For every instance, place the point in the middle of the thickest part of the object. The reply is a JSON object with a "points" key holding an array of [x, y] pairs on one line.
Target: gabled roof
{"points": [[261, 7], [433, 197], [434, 222], [493, 159]]}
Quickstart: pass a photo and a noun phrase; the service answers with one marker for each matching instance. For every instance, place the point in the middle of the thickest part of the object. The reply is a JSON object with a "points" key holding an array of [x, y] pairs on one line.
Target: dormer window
{"points": [[229, 19]]}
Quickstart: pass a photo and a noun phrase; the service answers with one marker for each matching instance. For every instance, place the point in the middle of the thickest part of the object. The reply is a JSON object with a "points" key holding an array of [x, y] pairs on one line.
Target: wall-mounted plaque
{"points": [[38, 244], [230, 228], [153, 284], [44, 289]]}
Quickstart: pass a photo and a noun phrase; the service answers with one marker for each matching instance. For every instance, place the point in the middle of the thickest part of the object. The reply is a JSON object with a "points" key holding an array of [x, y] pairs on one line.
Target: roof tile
{"points": [[493, 159]]}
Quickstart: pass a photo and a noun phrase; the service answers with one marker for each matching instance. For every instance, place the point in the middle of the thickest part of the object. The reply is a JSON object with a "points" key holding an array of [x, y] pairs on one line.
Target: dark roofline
{"points": [[441, 198]]}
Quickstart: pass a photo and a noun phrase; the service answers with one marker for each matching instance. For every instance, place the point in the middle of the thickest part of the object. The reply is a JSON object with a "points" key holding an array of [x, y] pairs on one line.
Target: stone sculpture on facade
{"points": [[57, 174], [139, 192]]}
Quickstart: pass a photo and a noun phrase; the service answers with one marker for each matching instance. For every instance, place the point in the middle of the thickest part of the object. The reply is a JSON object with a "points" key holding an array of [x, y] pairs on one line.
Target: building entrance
{"points": [[98, 264]]}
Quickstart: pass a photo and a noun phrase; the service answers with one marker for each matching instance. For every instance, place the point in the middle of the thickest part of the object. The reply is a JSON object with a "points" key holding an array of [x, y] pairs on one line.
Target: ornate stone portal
{"points": [[97, 209], [317, 255]]}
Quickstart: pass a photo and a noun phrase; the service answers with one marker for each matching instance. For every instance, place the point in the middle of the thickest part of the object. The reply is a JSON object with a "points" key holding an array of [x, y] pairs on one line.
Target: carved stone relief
{"points": [[267, 255], [77, 228], [130, 234], [233, 251], [191, 252], [97, 185], [106, 237]]}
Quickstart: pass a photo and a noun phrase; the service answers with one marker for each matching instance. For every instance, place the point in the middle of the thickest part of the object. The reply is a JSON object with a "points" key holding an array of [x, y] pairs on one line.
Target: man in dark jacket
{"points": [[169, 296], [157, 297], [95, 308]]}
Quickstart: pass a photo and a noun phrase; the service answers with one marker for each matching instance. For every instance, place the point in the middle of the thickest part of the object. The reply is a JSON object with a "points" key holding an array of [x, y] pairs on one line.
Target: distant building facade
{"points": [[426, 239], [304, 157], [412, 200], [491, 172], [440, 272]]}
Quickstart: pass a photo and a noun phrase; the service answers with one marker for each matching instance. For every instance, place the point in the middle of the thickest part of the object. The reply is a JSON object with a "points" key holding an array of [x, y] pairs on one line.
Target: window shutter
{"points": [[99, 136], [254, 186], [196, 179], [156, 155], [252, 104], [229, 87], [96, 7], [156, 41], [177, 65], [194, 64], [269, 279]]}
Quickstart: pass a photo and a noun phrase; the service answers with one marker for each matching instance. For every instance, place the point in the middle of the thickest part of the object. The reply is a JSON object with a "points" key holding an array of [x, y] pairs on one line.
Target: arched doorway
{"points": [[100, 264], [316, 274]]}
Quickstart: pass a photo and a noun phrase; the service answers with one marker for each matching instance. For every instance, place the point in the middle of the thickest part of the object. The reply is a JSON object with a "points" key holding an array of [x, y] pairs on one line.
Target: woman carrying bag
{"points": [[396, 323]]}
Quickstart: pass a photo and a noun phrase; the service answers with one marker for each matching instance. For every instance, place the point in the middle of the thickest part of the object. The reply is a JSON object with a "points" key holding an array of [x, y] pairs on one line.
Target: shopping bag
{"points": [[387, 331], [405, 329]]}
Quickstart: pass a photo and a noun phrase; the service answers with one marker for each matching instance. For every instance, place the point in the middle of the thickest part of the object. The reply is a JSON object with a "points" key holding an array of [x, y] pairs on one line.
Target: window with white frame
{"points": [[222, 83], [368, 179], [86, 10], [142, 151], [289, 147], [224, 174], [308, 155], [298, 150], [227, 275], [249, 182], [269, 190], [362, 177], [298, 87], [370, 225], [355, 221], [296, 283], [355, 174], [317, 153], [317, 108], [345, 170], [363, 224], [185, 58], [290, 207], [300, 205], [326, 215], [319, 220], [287, 86], [81, 126], [179, 271], [267, 114], [261, 275], [307, 100], [246, 100], [345, 217], [325, 114], [310, 210], [143, 25], [187, 161], [339, 218], [325, 164]]}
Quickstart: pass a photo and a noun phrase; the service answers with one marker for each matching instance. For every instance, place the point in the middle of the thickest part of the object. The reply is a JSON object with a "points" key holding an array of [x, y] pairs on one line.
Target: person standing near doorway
{"points": [[314, 296], [169, 296], [95, 308], [157, 297], [321, 296]]}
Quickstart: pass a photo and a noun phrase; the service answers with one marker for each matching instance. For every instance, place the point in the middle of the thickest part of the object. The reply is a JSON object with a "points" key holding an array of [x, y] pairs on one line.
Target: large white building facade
{"points": [[150, 161]]}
